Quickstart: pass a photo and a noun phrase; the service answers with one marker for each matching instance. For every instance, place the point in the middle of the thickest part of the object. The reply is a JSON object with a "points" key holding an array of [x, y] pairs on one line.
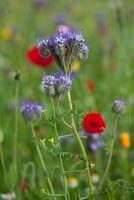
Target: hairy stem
{"points": [[42, 161], [77, 137], [110, 155], [16, 125], [59, 150]]}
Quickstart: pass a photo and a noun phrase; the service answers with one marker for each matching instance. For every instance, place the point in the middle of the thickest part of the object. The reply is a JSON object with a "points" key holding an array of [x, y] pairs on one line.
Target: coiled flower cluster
{"points": [[56, 84], [66, 46]]}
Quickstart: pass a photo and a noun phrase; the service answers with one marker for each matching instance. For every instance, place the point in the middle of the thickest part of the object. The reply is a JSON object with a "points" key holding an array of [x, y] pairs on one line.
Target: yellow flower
{"points": [[44, 191], [92, 165], [6, 33], [52, 140], [75, 66], [125, 140], [43, 141], [72, 182], [44, 111]]}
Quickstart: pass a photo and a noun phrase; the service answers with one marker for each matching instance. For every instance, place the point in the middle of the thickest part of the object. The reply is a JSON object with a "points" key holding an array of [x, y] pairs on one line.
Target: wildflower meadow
{"points": [[66, 92]]}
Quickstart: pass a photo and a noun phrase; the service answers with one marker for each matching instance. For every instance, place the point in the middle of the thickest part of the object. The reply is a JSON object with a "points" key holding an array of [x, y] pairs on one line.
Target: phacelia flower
{"points": [[56, 84], [60, 19], [62, 29], [119, 107], [31, 111], [91, 85], [125, 140], [66, 46], [39, 4], [72, 182], [93, 123], [93, 143], [33, 55]]}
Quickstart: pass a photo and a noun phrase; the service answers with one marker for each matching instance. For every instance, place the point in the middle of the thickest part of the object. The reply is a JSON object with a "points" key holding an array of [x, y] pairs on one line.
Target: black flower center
{"points": [[93, 125]]}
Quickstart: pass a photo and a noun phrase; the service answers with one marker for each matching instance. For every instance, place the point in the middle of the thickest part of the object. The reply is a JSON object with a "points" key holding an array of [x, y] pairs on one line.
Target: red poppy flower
{"points": [[23, 185], [91, 85], [34, 57], [93, 123]]}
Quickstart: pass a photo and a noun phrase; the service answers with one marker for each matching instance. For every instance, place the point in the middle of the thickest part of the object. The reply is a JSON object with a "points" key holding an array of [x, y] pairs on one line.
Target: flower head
{"points": [[91, 85], [60, 19], [34, 56], [119, 107], [72, 182], [31, 111], [7, 33], [93, 144], [23, 184], [95, 178], [62, 29], [125, 140], [56, 84], [39, 4], [75, 66], [93, 123], [8, 196], [66, 46]]}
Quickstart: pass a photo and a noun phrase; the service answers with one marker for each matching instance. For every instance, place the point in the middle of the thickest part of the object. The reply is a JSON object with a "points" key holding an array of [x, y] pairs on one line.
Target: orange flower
{"points": [[125, 140], [91, 85]]}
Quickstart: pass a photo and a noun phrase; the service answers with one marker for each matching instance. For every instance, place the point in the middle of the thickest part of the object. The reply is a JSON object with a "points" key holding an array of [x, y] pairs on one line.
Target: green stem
{"points": [[3, 161], [77, 137], [59, 150], [68, 125], [42, 161], [110, 155], [16, 125]]}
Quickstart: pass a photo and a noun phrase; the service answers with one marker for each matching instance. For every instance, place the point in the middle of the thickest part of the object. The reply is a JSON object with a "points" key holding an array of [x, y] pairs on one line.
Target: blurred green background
{"points": [[108, 28]]}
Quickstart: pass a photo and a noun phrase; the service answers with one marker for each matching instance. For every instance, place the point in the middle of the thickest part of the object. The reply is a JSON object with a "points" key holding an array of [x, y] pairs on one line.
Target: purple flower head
{"points": [[94, 146], [56, 84], [66, 46], [48, 84], [119, 107], [31, 111], [38, 4], [93, 143], [60, 19]]}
